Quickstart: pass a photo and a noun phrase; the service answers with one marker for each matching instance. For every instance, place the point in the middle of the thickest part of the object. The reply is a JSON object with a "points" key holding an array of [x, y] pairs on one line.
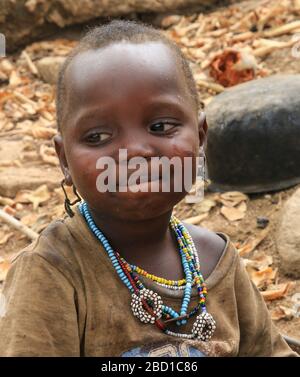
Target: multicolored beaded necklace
{"points": [[146, 304]]}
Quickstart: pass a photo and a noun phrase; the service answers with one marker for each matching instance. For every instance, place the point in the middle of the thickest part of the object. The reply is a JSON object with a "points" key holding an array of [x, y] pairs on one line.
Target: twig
{"points": [[24, 99], [271, 46], [285, 29], [18, 225], [210, 85], [30, 64], [241, 37]]}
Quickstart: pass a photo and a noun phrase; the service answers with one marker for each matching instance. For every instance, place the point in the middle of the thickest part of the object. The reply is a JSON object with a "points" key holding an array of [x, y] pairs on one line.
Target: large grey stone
{"points": [[288, 235], [254, 135]]}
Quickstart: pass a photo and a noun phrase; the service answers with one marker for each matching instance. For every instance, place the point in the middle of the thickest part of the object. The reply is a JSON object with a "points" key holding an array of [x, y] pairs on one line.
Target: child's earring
{"points": [[68, 203]]}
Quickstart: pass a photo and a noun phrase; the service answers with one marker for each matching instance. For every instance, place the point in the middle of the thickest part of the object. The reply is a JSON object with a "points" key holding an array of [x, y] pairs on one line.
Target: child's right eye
{"points": [[97, 137]]}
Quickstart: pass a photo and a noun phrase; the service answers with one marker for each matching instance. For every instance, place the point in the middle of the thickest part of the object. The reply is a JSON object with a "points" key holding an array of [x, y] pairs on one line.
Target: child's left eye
{"points": [[162, 127]]}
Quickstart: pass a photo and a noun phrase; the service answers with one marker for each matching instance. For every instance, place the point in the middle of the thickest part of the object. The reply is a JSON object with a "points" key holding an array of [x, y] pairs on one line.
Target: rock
{"points": [[288, 235], [14, 178], [253, 135], [25, 20], [49, 67]]}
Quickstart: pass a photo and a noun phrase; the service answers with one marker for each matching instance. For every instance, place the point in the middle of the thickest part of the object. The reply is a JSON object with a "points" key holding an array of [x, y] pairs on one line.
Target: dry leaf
{"points": [[19, 207], [6, 66], [196, 219], [42, 132], [29, 156], [5, 238], [282, 312], [5, 163], [14, 79], [29, 108], [242, 207], [9, 210], [260, 262], [40, 195], [6, 201], [4, 267], [262, 278], [31, 5], [232, 214], [277, 291], [252, 244], [57, 212], [232, 198], [48, 155], [170, 21], [205, 206], [29, 219]]}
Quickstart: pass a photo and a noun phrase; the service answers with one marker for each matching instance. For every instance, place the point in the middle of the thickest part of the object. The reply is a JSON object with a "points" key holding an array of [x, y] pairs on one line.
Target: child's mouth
{"points": [[142, 184]]}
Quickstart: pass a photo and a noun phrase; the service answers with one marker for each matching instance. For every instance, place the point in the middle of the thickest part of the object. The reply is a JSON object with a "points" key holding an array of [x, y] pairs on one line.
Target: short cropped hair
{"points": [[117, 31]]}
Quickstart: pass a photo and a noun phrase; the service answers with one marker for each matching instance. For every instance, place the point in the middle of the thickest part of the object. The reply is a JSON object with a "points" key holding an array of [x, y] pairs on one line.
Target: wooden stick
{"points": [[243, 36], [18, 225], [263, 42], [211, 85], [24, 99], [268, 48], [30, 64], [282, 29]]}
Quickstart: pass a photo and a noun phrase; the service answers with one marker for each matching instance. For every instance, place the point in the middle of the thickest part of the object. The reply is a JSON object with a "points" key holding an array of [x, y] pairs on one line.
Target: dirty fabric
{"points": [[62, 297]]}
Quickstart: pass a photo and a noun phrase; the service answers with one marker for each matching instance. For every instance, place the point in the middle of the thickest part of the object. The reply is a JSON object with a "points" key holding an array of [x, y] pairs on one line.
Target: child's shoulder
{"points": [[210, 247], [53, 248]]}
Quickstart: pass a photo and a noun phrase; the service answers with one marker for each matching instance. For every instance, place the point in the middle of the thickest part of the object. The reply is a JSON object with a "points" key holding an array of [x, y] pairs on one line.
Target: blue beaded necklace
{"points": [[148, 305]]}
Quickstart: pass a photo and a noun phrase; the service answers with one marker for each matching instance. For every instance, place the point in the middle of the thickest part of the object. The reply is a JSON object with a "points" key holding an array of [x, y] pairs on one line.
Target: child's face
{"points": [[126, 96]]}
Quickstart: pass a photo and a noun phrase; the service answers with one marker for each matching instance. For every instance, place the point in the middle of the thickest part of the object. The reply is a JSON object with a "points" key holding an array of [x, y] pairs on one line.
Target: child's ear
{"points": [[202, 128], [60, 151]]}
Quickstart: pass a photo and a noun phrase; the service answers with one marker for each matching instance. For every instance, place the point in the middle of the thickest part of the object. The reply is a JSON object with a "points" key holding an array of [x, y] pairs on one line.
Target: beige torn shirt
{"points": [[62, 297]]}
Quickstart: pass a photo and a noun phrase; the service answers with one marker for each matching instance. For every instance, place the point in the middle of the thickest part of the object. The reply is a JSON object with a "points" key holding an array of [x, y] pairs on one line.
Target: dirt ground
{"points": [[22, 149]]}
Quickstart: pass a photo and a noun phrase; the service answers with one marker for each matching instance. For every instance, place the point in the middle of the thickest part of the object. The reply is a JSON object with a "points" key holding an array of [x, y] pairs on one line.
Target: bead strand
{"points": [[146, 304]]}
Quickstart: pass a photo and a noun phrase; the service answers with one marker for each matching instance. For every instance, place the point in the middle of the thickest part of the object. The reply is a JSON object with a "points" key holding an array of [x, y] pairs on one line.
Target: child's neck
{"points": [[149, 244]]}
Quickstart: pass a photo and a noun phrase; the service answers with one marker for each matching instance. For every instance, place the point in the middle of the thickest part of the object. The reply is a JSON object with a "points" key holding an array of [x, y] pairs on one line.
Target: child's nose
{"points": [[138, 146]]}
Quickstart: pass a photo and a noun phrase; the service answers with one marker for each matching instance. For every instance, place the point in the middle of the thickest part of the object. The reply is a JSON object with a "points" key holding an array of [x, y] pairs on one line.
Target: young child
{"points": [[121, 276]]}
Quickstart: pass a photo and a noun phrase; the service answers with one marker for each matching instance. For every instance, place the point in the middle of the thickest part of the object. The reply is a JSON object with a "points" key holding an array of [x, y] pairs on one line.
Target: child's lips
{"points": [[141, 182]]}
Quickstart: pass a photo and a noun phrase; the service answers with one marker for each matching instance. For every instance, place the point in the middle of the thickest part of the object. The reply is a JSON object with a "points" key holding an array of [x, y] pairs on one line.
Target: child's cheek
{"points": [[184, 147], [84, 172]]}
